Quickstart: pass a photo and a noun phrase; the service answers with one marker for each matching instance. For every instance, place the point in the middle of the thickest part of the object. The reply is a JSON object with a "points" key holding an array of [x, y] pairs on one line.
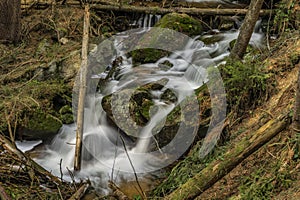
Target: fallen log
{"points": [[219, 168], [111, 6], [191, 11]]}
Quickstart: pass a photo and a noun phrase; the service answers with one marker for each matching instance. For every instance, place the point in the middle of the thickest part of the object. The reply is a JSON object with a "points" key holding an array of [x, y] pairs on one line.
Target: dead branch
{"points": [[31, 165], [80, 192], [116, 191]]}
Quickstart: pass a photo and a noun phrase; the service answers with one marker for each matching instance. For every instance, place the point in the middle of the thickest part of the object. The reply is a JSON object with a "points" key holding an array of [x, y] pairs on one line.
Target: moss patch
{"points": [[181, 23]]}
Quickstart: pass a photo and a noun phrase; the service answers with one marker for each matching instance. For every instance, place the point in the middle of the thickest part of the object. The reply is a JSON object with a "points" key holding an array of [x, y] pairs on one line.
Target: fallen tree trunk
{"points": [[110, 6], [191, 11], [219, 168]]}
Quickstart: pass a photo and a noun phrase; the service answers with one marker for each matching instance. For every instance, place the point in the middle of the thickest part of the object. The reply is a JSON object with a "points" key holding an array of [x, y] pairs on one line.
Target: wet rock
{"points": [[211, 39], [132, 110]]}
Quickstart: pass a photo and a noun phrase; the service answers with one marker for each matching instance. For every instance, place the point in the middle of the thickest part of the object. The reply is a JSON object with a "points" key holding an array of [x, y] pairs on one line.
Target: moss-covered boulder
{"points": [[182, 23], [40, 125], [132, 110], [161, 39]]}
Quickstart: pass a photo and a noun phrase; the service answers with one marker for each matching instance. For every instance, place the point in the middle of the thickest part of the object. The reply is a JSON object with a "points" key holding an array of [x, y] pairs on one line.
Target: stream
{"points": [[107, 156]]}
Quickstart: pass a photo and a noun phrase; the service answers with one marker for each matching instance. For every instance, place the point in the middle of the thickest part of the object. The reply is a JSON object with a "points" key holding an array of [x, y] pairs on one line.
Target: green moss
{"points": [[181, 23], [41, 124], [145, 108], [247, 84], [184, 170], [147, 55]]}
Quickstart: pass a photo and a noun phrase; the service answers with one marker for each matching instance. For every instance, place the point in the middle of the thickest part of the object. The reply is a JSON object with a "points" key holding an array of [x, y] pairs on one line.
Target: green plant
{"points": [[186, 169], [283, 16], [247, 84], [265, 183]]}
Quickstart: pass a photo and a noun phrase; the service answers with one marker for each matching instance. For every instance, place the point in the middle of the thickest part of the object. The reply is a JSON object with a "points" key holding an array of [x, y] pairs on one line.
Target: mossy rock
{"points": [[148, 55], [211, 39], [40, 125], [181, 23]]}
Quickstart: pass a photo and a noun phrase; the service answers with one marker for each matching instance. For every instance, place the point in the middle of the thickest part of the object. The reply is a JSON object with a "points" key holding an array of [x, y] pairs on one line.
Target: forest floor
{"points": [[273, 171]]}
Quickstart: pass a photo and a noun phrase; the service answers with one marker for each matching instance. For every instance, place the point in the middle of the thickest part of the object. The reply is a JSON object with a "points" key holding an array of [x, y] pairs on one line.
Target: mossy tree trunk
{"points": [[246, 29], [10, 14], [219, 168]]}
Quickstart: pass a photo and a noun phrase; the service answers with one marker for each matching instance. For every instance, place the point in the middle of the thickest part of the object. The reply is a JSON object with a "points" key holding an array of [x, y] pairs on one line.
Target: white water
{"points": [[103, 151]]}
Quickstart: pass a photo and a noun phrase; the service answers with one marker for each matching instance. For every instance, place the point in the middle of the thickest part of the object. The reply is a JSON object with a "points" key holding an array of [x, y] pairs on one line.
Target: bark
{"points": [[10, 15], [296, 117], [246, 29], [82, 89], [219, 168]]}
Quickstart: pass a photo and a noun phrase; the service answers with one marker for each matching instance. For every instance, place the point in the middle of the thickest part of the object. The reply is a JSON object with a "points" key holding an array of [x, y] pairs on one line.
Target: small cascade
{"points": [[103, 144], [148, 20]]}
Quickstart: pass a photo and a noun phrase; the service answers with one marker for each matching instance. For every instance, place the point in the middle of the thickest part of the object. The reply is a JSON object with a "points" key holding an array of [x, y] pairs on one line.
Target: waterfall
{"points": [[103, 149], [148, 20]]}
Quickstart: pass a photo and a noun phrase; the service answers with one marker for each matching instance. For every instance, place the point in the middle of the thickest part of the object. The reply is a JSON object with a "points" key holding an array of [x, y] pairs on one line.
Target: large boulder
{"points": [[182, 23], [131, 116]]}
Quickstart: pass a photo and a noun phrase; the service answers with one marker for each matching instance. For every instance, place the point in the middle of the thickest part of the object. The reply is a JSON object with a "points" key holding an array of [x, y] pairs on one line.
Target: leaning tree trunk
{"points": [[296, 117], [10, 14], [82, 89], [246, 29]]}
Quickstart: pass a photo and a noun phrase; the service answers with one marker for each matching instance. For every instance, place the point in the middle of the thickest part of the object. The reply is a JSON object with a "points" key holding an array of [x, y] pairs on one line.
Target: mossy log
{"points": [[111, 6], [219, 168], [191, 11]]}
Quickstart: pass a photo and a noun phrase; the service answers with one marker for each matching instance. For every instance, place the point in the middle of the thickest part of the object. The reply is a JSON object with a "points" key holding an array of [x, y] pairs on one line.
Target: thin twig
{"points": [[135, 175], [116, 150], [60, 169]]}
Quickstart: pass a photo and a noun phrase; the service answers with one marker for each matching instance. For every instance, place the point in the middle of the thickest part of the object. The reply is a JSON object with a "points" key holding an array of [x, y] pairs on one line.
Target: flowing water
{"points": [[107, 156]]}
